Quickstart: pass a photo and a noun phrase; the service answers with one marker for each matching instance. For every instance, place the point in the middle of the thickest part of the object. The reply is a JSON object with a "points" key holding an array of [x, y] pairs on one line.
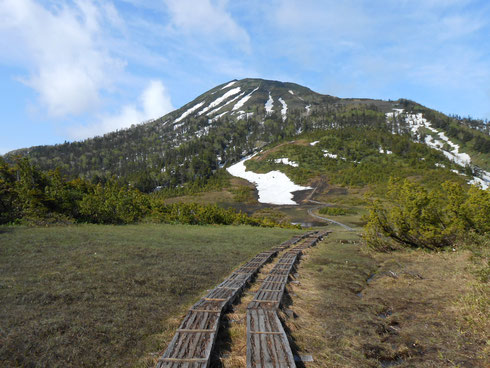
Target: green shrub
{"points": [[415, 217], [113, 204], [333, 211]]}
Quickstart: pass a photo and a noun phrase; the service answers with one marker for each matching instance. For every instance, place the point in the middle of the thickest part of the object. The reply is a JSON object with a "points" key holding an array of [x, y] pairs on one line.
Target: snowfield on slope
{"points": [[417, 121], [219, 100], [189, 111], [240, 103], [274, 187]]}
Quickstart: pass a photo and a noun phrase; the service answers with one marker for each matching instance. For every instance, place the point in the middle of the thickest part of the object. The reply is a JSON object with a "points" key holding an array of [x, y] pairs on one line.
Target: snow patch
{"points": [[225, 104], [308, 108], [328, 154], [479, 182], [286, 161], [284, 109], [274, 187], [291, 92], [203, 131], [219, 116], [219, 100], [189, 111], [229, 85], [440, 165], [244, 115], [381, 150], [314, 143], [177, 126], [395, 113], [269, 104], [243, 100]]}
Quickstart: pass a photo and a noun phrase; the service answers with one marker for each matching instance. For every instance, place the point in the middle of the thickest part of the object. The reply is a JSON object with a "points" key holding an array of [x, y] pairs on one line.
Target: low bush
{"points": [[333, 211], [417, 218]]}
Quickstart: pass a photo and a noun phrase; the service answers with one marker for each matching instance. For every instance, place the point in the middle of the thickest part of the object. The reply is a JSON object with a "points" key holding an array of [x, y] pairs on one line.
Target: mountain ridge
{"points": [[228, 122]]}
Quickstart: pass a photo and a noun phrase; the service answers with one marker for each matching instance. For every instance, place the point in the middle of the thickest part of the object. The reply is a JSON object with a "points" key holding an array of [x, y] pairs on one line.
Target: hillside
{"points": [[234, 119], [267, 154]]}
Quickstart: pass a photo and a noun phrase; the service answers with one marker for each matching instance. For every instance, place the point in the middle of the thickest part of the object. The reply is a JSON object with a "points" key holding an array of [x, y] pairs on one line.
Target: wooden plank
{"points": [[267, 332], [195, 331], [193, 342], [183, 360], [272, 349]]}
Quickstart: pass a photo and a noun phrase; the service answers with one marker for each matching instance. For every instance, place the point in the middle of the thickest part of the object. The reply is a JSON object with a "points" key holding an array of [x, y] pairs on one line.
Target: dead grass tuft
{"points": [[402, 309]]}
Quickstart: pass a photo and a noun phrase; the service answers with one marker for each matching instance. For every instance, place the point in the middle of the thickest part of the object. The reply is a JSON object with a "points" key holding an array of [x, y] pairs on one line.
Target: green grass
{"points": [[109, 296]]}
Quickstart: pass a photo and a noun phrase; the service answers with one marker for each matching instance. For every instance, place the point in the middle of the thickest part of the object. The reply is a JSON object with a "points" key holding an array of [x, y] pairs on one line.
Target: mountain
{"points": [[234, 119]]}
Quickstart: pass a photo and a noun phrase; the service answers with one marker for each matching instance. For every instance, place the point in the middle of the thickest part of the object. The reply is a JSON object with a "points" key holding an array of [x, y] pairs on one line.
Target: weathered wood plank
{"points": [[193, 342], [267, 342]]}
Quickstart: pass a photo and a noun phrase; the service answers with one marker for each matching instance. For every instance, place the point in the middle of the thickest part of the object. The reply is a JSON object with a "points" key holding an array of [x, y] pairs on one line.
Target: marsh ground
{"points": [[109, 296]]}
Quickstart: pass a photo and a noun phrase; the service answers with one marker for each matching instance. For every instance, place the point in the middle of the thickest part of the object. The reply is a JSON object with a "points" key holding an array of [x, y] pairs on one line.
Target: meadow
{"points": [[109, 296]]}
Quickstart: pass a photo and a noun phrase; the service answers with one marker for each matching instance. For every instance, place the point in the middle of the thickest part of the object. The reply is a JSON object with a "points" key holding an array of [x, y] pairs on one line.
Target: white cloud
{"points": [[206, 18], [154, 102], [61, 46]]}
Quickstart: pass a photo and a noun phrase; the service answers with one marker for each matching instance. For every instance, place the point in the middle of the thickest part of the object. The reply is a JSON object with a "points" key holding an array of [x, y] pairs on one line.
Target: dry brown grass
{"points": [[417, 310]]}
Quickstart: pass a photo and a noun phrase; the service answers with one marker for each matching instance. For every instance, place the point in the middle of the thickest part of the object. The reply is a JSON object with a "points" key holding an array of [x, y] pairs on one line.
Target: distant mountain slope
{"points": [[234, 119]]}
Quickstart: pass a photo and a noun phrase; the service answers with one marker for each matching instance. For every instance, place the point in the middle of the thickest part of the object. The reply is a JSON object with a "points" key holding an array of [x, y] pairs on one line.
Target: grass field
{"points": [[109, 296]]}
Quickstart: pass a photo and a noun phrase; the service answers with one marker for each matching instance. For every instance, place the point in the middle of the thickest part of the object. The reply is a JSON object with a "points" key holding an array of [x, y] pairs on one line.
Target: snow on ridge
{"points": [[243, 100], [189, 111], [417, 121], [286, 161], [219, 100], [284, 109], [229, 85], [269, 104], [274, 187]]}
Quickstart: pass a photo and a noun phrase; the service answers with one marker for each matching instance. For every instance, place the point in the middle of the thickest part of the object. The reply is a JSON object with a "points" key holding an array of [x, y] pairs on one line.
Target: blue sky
{"points": [[72, 69]]}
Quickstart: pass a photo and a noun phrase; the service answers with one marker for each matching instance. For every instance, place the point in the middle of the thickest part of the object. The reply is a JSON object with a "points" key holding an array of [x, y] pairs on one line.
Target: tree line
{"points": [[31, 195]]}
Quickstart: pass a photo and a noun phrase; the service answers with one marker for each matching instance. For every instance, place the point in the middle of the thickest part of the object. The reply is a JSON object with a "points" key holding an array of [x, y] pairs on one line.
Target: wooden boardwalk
{"points": [[193, 343], [267, 342]]}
